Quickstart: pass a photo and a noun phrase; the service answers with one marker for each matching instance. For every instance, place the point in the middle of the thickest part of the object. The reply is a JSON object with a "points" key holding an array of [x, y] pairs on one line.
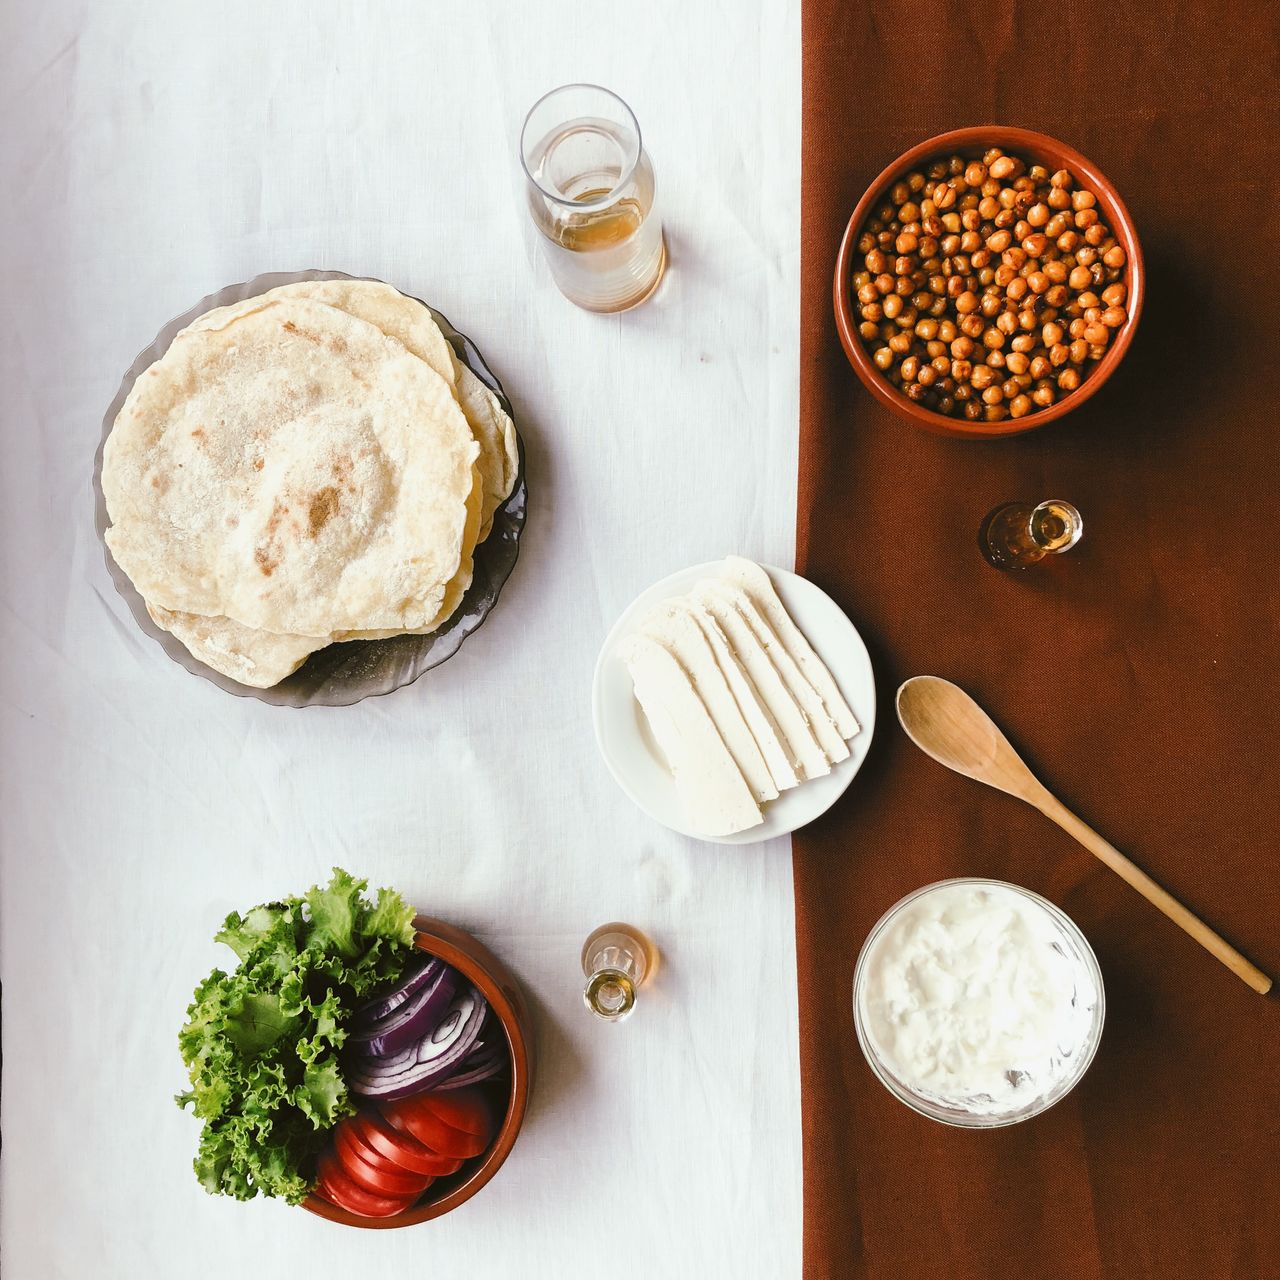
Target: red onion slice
{"points": [[414, 1019], [418, 976], [433, 1058], [484, 1062]]}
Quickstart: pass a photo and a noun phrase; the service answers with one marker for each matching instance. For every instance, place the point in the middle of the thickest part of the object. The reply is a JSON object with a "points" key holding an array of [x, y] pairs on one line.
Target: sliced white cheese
{"points": [[833, 745], [806, 753], [673, 628], [756, 582], [715, 794], [764, 728]]}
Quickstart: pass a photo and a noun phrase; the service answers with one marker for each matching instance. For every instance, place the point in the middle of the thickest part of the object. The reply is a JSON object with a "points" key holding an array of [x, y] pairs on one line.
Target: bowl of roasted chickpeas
{"points": [[989, 282]]}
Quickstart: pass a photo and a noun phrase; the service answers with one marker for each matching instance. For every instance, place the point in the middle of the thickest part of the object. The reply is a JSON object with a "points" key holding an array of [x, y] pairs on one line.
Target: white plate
{"points": [[633, 757]]}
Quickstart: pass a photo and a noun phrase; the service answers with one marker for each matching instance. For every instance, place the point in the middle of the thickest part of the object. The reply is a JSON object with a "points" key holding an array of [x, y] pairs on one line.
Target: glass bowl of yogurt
{"points": [[977, 1003]]}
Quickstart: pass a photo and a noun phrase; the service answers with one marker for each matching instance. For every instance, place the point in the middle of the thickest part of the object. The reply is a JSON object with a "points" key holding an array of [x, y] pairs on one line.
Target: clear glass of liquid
{"points": [[616, 960], [1017, 535], [591, 195]]}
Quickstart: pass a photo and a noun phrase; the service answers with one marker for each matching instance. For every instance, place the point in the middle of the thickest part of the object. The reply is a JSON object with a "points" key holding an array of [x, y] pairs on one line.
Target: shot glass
{"points": [[616, 960], [590, 191], [1017, 535]]}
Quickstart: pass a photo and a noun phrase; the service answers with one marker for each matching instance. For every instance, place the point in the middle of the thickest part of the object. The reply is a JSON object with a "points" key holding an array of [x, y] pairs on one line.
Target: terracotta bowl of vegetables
{"points": [[454, 1134]]}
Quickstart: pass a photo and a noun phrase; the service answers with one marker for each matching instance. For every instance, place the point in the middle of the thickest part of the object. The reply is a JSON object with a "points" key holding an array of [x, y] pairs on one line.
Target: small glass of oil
{"points": [[1017, 535], [616, 960], [590, 189]]}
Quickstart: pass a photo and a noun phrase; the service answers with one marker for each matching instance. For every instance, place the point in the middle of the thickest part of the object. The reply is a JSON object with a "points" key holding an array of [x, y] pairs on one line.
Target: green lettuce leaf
{"points": [[262, 1044]]}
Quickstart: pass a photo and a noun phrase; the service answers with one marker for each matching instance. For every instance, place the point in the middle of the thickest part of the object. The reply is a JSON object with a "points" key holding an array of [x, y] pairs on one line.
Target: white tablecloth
{"points": [[153, 152]]}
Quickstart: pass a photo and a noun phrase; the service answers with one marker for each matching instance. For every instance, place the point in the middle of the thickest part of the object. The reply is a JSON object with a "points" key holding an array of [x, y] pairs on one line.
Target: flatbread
{"points": [[257, 658], [295, 470], [410, 323]]}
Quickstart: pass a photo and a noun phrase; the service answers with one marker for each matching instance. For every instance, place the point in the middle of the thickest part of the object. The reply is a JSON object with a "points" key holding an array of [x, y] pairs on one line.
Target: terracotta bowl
{"points": [[498, 985], [971, 143]]}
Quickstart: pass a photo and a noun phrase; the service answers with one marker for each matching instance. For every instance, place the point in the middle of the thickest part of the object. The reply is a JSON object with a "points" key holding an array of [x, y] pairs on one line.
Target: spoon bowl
{"points": [[946, 724]]}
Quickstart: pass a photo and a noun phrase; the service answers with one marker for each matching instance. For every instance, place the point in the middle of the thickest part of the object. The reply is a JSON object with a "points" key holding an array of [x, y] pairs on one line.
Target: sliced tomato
{"points": [[372, 1171], [465, 1109], [418, 1115], [336, 1187], [402, 1149]]}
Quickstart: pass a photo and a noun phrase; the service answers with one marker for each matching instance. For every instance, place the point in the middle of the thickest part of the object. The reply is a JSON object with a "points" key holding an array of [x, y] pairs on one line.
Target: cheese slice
{"points": [[824, 729], [755, 581], [806, 753], [673, 628], [764, 728], [712, 788]]}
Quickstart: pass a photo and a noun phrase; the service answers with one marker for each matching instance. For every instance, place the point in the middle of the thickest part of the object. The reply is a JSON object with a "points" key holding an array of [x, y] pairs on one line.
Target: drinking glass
{"points": [[590, 190]]}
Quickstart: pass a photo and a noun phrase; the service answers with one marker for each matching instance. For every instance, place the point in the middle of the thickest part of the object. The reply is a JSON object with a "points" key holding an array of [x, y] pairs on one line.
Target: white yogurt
{"points": [[972, 995]]}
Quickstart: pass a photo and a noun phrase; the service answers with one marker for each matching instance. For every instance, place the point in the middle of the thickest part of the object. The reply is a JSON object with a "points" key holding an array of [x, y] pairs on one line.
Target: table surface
{"points": [[150, 154]]}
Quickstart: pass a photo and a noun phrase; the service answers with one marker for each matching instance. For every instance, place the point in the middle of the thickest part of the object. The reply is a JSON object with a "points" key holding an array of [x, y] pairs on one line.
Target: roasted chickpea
{"points": [[1114, 257], [1019, 406], [1069, 379], [992, 395]]}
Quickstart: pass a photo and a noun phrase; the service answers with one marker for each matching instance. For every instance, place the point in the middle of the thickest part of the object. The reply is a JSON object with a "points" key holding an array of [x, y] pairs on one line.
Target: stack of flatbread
{"points": [[309, 466]]}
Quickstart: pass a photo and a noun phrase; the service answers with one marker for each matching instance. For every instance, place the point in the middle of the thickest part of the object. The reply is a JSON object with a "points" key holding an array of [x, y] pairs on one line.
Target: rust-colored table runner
{"points": [[1138, 674]]}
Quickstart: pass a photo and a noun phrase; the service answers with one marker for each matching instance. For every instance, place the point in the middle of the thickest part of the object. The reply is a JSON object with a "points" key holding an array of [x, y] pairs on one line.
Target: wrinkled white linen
{"points": [[151, 153]]}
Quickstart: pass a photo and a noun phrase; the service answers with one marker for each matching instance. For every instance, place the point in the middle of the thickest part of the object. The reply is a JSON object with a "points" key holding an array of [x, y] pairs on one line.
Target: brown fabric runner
{"points": [[1138, 674]]}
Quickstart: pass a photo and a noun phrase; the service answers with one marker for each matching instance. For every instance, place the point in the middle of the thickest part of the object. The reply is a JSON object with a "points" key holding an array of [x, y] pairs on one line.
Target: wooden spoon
{"points": [[945, 723]]}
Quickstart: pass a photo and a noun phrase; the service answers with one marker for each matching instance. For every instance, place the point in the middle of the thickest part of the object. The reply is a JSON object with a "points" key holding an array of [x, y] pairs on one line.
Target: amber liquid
{"points": [[593, 230]]}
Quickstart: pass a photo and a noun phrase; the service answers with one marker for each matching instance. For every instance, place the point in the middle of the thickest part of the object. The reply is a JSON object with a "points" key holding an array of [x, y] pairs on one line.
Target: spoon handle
{"points": [[1053, 809]]}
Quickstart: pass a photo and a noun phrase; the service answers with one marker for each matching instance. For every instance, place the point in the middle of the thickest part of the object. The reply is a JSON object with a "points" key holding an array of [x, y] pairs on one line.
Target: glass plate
{"points": [[348, 672]]}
